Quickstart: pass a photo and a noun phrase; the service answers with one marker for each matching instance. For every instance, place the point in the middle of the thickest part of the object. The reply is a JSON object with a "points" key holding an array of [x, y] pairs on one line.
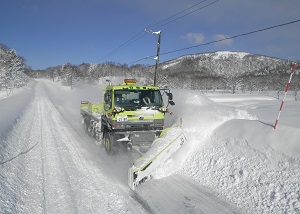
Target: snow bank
{"points": [[200, 116], [284, 141], [11, 107], [237, 154], [247, 161], [252, 165]]}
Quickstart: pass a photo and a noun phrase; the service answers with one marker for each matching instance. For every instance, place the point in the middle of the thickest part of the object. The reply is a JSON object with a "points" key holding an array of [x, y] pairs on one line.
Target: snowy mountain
{"points": [[227, 63], [225, 70]]}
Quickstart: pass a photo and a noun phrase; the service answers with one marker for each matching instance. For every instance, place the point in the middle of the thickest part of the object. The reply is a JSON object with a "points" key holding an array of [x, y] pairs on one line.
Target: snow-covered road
{"points": [[46, 170], [49, 165]]}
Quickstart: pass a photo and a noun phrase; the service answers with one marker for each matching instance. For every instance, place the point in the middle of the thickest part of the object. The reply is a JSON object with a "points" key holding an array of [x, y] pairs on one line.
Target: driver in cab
{"points": [[146, 99]]}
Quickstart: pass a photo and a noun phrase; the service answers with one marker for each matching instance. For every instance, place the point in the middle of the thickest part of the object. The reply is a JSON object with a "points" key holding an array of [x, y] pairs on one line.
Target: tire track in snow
{"points": [[89, 182], [43, 159], [59, 193], [63, 147]]}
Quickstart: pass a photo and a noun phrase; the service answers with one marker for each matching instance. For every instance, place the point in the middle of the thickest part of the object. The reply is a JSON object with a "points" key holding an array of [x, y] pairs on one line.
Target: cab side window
{"points": [[108, 98]]}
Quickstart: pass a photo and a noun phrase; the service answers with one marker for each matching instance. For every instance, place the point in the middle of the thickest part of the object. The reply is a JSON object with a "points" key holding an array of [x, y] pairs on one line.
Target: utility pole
{"points": [[157, 55]]}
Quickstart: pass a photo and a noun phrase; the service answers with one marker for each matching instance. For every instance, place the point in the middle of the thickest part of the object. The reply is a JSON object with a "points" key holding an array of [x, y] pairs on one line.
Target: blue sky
{"points": [[53, 32]]}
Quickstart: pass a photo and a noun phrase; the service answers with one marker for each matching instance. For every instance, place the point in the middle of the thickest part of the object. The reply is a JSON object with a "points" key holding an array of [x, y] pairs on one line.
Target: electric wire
{"points": [[220, 40], [232, 37], [157, 23], [129, 42], [188, 14], [142, 33], [123, 45]]}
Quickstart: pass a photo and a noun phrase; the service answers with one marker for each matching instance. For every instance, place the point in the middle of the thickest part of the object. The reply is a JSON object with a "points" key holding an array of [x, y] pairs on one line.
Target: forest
{"points": [[229, 71]]}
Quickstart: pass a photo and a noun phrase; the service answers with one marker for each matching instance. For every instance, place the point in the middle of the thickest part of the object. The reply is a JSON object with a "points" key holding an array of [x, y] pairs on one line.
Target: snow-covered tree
{"points": [[11, 69]]}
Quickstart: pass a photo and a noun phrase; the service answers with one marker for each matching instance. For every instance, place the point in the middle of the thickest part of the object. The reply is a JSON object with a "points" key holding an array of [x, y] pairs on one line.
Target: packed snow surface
{"points": [[234, 160]]}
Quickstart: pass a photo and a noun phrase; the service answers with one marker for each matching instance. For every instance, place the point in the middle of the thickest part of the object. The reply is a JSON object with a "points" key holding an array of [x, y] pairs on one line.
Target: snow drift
{"points": [[245, 159]]}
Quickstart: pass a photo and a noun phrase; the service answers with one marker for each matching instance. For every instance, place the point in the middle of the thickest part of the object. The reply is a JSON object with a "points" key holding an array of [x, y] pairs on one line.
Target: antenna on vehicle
{"points": [[109, 82]]}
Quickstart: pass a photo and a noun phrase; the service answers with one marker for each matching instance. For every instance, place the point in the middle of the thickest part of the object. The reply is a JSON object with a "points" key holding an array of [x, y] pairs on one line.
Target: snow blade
{"points": [[170, 140]]}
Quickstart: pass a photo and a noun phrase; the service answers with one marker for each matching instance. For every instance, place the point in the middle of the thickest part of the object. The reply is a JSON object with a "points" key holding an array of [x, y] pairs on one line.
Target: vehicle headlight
{"points": [[163, 109], [118, 109]]}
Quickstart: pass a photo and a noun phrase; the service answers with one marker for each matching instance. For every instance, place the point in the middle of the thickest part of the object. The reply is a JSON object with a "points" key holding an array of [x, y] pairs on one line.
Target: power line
{"points": [[176, 14], [139, 60], [139, 36], [220, 40], [189, 13], [125, 44], [232, 37]]}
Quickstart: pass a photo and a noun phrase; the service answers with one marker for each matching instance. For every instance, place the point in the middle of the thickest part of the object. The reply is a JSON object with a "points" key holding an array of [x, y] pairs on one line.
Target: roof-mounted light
{"points": [[130, 81]]}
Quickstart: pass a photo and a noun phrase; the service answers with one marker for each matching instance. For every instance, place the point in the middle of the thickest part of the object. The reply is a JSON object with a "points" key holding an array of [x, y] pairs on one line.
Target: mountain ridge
{"points": [[235, 61], [231, 70], [226, 70]]}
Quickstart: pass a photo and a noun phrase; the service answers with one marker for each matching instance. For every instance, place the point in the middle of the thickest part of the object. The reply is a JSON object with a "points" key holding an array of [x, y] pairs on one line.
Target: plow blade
{"points": [[170, 140]]}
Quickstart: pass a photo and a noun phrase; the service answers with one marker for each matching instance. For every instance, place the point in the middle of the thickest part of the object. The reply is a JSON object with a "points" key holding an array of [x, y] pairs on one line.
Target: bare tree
{"points": [[233, 82]]}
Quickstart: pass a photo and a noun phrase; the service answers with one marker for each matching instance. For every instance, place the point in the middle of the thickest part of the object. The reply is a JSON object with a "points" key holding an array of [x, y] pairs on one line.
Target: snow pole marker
{"points": [[286, 90]]}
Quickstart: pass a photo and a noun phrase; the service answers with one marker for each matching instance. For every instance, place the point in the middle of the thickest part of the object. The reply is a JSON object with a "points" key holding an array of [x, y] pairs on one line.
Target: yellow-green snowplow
{"points": [[131, 117]]}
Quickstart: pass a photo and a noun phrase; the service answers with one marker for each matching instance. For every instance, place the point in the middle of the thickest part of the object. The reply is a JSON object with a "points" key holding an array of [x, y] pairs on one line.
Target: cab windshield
{"points": [[137, 98]]}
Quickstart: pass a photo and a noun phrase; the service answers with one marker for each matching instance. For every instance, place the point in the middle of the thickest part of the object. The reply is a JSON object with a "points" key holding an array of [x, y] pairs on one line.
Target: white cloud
{"points": [[223, 40], [194, 38]]}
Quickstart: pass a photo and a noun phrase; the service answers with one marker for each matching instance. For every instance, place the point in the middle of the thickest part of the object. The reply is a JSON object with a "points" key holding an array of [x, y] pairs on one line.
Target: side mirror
{"points": [[106, 97], [171, 102], [170, 95]]}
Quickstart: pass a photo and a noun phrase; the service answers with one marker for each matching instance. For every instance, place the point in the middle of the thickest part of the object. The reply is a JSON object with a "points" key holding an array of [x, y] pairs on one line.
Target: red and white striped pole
{"points": [[286, 90]]}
